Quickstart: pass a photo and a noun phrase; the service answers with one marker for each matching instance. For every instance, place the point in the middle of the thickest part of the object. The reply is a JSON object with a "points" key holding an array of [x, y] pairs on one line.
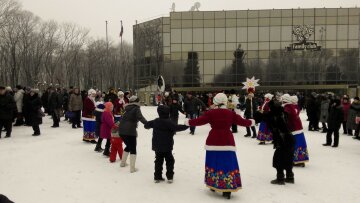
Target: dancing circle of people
{"points": [[116, 121]]}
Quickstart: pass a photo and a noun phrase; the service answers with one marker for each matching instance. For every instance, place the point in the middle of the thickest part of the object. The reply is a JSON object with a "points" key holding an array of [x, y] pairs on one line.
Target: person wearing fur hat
{"points": [[75, 106], [301, 155], [163, 141], [88, 117], [35, 111], [19, 96], [335, 119], [7, 109], [222, 172], [119, 104], [98, 115], [354, 117], [107, 123], [264, 134], [128, 132], [250, 109]]}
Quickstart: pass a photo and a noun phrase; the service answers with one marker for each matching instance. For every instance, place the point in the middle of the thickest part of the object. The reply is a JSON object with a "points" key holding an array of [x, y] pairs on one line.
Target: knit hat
{"points": [[91, 91], [286, 98], [294, 99], [8, 88], [163, 111], [108, 106], [36, 91], [269, 96], [133, 99], [220, 99], [120, 93]]}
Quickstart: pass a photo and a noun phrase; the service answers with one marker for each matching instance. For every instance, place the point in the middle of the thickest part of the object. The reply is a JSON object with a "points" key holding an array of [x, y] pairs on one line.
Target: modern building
{"points": [[315, 48]]}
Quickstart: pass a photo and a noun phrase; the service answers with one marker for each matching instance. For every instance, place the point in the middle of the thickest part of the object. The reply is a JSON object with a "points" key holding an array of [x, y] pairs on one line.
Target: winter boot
{"points": [[123, 160], [106, 152], [132, 163], [289, 177], [158, 180], [278, 182], [227, 195]]}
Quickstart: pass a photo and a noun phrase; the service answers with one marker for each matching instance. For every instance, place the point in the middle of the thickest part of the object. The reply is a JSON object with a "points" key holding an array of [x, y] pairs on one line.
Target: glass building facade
{"points": [[222, 48]]}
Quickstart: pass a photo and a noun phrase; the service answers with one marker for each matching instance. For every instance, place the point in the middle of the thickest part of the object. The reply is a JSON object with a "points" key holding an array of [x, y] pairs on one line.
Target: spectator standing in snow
{"points": [[336, 117], [75, 106], [19, 97], [7, 109]]}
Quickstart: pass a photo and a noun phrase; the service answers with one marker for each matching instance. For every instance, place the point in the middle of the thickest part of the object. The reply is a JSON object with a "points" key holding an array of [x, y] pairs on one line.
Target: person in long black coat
{"points": [[250, 109], [284, 143], [313, 111], [35, 114], [7, 109], [335, 119], [54, 106], [163, 142]]}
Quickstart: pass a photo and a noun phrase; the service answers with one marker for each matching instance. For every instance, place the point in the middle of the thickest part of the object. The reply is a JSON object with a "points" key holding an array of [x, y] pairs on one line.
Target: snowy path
{"points": [[59, 167]]}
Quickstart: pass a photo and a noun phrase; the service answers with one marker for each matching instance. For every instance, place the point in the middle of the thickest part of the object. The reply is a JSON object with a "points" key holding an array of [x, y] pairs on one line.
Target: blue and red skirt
{"points": [[264, 134], [301, 154], [89, 129], [222, 171]]}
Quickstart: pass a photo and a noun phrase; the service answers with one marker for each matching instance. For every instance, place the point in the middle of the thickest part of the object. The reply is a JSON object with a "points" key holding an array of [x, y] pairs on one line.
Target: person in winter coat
{"points": [[175, 108], [7, 108], [19, 96], [283, 142], [264, 134], [336, 117], [54, 106], [352, 121], [111, 96], [75, 106], [116, 143], [119, 104], [35, 111], [89, 121], [26, 107], [107, 123], [346, 106], [65, 103], [191, 105], [98, 116], [222, 172], [250, 109], [313, 110], [89, 104], [128, 132], [163, 142], [325, 103]]}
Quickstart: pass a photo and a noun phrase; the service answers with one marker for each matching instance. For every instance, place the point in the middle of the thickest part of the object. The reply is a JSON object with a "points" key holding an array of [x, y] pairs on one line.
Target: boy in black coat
{"points": [[163, 142], [336, 117]]}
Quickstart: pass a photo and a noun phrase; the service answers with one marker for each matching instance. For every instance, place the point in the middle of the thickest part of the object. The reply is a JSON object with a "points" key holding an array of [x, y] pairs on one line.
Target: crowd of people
{"points": [[114, 117]]}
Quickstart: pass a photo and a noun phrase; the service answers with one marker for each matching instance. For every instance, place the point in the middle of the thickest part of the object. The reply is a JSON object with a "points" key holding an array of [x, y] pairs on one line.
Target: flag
{"points": [[122, 30]]}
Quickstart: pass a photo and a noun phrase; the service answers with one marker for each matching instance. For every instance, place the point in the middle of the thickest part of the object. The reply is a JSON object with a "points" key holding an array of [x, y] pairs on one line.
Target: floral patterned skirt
{"points": [[264, 133], [89, 125], [301, 154], [222, 171]]}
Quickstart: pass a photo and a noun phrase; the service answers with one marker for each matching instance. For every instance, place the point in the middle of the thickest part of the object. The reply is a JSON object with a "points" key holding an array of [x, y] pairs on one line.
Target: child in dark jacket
{"points": [[162, 143]]}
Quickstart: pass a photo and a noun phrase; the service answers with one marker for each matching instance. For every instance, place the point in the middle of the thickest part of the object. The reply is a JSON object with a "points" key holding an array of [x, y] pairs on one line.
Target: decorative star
{"points": [[251, 83]]}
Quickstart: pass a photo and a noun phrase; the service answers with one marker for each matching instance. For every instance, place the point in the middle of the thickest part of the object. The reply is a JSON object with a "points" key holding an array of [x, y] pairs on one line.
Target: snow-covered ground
{"points": [[59, 167]]}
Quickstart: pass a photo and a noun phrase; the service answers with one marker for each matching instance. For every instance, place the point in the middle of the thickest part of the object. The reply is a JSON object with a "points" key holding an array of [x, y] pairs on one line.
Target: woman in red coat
{"points": [[222, 171], [89, 120]]}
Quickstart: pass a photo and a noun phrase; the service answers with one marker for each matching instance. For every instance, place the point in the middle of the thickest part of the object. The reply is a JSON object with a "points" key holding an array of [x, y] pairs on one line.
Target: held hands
{"points": [[186, 122]]}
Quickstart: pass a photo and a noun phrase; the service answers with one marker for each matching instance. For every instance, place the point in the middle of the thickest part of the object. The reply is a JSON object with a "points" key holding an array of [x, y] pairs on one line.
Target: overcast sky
{"points": [[93, 13]]}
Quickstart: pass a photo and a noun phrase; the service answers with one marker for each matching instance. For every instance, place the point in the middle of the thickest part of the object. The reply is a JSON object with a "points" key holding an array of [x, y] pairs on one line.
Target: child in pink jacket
{"points": [[107, 123]]}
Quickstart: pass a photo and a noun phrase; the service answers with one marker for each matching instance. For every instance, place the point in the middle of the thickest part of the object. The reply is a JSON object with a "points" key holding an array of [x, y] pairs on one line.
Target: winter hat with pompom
{"points": [[286, 98], [220, 99], [269, 96]]}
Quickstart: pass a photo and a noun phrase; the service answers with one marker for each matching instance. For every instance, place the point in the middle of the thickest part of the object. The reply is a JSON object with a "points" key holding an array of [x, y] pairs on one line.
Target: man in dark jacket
{"points": [[191, 106], [284, 142], [163, 142], [335, 119], [313, 111], [54, 106], [250, 109], [128, 132], [175, 108], [65, 102], [7, 109]]}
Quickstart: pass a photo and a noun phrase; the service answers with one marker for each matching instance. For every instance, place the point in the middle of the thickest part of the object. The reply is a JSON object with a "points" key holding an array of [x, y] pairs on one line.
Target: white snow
{"points": [[59, 167]]}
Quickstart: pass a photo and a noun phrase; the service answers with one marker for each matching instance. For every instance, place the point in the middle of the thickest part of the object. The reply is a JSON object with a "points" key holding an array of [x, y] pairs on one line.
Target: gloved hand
{"points": [[186, 122]]}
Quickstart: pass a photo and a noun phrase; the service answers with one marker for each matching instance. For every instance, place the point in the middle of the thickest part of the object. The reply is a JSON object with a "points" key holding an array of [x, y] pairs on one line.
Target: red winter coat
{"points": [[119, 106], [346, 107], [220, 137], [294, 121], [89, 108], [265, 107], [107, 122]]}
